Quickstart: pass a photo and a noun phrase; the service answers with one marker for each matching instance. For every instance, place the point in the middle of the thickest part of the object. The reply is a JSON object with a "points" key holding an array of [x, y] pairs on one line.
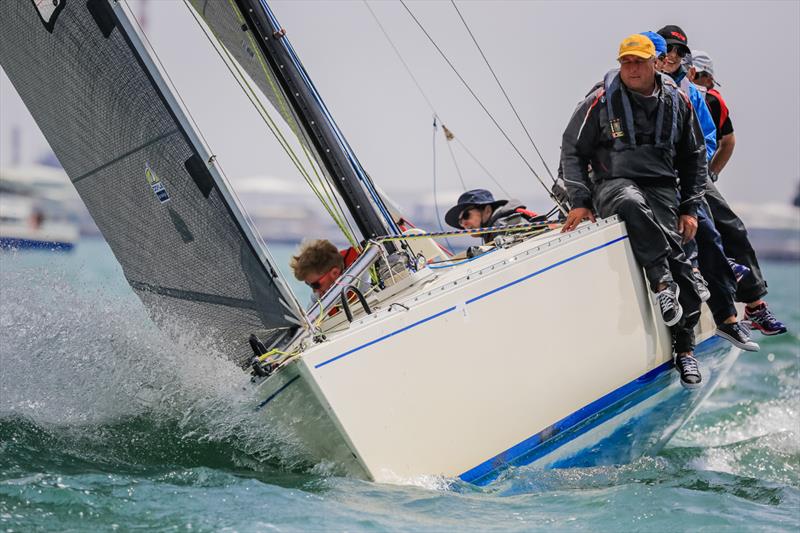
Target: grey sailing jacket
{"points": [[669, 144]]}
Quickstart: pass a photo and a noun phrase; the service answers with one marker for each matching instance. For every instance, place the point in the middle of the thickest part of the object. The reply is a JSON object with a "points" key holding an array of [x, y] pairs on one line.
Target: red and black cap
{"points": [[674, 35]]}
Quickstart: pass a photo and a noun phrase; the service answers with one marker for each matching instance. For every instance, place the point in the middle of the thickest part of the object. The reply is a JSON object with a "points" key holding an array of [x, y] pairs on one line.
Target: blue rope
{"points": [[435, 267]]}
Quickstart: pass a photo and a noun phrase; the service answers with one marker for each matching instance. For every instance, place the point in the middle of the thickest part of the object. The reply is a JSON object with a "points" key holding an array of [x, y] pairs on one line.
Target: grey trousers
{"points": [[736, 245], [650, 213]]}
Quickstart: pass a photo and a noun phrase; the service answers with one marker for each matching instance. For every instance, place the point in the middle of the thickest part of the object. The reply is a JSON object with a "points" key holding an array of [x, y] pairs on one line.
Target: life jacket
{"points": [[628, 158], [525, 212], [723, 107], [349, 255]]}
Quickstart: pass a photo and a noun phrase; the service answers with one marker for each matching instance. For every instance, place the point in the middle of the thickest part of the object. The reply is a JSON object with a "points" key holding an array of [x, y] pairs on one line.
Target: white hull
{"points": [[489, 361]]}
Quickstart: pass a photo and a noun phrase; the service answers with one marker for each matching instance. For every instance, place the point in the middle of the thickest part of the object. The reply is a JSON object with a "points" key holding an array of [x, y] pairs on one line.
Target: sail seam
{"points": [[193, 295], [126, 154]]}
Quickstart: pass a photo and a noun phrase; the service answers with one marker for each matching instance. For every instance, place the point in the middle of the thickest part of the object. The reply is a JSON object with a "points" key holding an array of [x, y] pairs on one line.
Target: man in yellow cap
{"points": [[637, 132]]}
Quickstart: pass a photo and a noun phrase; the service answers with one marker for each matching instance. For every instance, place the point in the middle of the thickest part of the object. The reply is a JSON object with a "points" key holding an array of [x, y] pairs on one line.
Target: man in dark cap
{"points": [[705, 252], [478, 209], [752, 287], [638, 132]]}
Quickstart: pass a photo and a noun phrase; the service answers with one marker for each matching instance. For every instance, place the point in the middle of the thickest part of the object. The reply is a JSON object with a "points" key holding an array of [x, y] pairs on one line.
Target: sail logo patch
{"points": [[155, 183], [616, 129], [48, 11]]}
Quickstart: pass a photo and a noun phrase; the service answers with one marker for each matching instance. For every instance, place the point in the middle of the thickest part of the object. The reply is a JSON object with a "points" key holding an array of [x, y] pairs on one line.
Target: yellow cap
{"points": [[637, 45]]}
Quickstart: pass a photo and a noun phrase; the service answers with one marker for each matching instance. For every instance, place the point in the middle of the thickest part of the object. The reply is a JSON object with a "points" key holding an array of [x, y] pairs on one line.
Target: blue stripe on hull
{"points": [[645, 433], [473, 300], [32, 244]]}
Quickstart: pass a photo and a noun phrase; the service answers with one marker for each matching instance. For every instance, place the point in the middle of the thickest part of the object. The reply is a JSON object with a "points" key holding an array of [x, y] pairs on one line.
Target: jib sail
{"points": [[183, 242]]}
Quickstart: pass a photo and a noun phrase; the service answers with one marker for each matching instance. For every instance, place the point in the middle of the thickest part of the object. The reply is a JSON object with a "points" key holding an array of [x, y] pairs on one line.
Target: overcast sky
{"points": [[547, 54]]}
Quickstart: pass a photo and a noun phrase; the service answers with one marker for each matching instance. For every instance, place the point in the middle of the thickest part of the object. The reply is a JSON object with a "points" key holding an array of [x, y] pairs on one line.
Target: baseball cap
{"points": [[674, 35], [703, 63], [637, 45], [658, 42]]}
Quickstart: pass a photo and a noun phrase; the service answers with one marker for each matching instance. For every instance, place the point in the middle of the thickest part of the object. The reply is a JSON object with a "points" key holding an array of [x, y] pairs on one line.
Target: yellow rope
{"points": [[323, 196], [291, 121]]}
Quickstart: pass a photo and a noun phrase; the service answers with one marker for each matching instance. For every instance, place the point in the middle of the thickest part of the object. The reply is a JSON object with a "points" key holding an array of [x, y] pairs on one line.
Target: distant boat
{"points": [[545, 350], [774, 229], [37, 209]]}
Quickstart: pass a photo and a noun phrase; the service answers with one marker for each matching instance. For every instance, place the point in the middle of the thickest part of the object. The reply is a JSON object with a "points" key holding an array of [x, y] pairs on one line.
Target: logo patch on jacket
{"points": [[616, 129]]}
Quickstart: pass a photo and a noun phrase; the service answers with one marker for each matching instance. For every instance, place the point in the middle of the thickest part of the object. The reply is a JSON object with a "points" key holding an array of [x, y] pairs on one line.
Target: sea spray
{"points": [[81, 358]]}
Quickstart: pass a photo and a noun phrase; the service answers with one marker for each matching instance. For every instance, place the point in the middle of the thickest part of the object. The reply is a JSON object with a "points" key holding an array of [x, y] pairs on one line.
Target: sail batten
{"points": [[185, 246]]}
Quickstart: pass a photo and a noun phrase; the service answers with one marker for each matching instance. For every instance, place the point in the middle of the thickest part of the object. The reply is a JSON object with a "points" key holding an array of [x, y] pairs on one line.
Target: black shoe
{"points": [[738, 335], [701, 286], [671, 310], [686, 365]]}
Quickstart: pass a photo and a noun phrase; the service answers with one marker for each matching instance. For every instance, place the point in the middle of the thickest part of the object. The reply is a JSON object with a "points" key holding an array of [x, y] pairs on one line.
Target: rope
{"points": [[338, 216], [477, 99], [355, 164], [235, 70], [502, 89], [525, 226]]}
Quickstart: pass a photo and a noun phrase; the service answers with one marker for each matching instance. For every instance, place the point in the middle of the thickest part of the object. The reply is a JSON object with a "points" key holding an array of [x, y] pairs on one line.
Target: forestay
{"points": [[229, 27], [183, 243]]}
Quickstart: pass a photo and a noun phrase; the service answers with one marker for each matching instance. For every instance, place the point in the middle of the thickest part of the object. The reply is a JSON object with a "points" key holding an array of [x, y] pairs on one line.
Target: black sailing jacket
{"points": [[595, 140]]}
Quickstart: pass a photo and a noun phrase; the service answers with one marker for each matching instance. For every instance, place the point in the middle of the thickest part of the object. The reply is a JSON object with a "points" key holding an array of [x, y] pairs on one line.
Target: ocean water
{"points": [[106, 423]]}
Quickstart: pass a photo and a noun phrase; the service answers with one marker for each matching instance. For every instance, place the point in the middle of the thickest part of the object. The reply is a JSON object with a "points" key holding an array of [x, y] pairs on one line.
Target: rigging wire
{"points": [[435, 114], [344, 145], [477, 99], [286, 110], [435, 196], [400, 57], [230, 62], [502, 89], [469, 153], [447, 138]]}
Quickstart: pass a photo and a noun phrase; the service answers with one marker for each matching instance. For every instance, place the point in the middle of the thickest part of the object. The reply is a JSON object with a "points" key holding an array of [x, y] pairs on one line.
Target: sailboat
{"points": [[444, 367]]}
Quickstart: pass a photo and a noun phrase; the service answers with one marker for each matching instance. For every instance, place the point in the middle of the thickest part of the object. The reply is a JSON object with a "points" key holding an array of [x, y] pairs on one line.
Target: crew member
{"points": [[717, 283], [319, 264], [478, 209], [638, 133], [752, 287]]}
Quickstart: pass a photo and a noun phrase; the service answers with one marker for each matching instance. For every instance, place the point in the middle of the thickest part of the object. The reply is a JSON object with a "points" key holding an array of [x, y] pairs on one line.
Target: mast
{"points": [[341, 164]]}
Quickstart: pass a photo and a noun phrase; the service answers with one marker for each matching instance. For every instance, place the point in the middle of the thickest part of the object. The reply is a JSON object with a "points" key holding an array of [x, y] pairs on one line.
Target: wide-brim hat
{"points": [[475, 197]]}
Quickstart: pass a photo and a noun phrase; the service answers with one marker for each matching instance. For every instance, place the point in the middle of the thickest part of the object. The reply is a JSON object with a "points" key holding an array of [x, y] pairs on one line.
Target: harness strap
{"points": [[723, 107]]}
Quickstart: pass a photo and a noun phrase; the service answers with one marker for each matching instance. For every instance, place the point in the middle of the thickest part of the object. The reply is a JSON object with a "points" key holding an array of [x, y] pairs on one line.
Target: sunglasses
{"points": [[465, 213], [679, 50], [315, 285]]}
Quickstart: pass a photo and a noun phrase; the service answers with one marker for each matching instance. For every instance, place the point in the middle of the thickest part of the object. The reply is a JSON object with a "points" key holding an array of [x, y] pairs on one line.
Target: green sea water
{"points": [[107, 423]]}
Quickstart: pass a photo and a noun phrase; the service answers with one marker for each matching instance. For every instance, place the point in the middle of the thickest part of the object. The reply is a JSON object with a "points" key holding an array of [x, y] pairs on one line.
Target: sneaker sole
{"points": [[751, 347], [691, 386], [755, 326]]}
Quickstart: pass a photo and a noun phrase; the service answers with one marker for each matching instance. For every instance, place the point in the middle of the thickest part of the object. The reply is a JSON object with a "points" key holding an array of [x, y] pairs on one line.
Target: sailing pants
{"points": [[705, 251], [651, 217], [736, 245]]}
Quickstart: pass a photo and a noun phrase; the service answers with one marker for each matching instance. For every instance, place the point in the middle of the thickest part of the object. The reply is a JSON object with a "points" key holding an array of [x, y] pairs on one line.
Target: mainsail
{"points": [[136, 161]]}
